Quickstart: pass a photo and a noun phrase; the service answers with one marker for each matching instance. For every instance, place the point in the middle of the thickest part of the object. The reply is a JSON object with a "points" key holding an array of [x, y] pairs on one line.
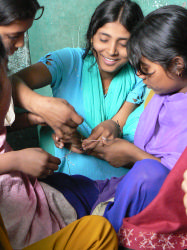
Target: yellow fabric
{"points": [[89, 232], [150, 95], [4, 242]]}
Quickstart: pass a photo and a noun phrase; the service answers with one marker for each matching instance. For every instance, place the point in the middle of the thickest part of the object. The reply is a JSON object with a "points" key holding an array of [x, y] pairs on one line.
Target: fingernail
{"points": [[61, 146]]}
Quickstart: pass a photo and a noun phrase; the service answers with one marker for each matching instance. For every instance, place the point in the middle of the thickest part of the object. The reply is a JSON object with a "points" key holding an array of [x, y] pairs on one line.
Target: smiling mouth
{"points": [[110, 60]]}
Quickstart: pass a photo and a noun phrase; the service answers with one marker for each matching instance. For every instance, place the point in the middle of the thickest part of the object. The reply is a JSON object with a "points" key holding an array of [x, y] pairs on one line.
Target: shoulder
{"points": [[68, 52], [65, 54], [64, 59]]}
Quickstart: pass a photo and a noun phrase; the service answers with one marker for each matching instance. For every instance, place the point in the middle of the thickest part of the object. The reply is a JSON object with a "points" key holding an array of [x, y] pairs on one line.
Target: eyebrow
{"points": [[121, 38]]}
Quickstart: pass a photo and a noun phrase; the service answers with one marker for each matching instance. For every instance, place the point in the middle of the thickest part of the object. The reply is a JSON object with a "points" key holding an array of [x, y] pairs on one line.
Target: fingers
{"points": [[73, 118], [92, 141], [76, 149], [90, 144], [46, 173], [61, 116], [57, 141], [184, 188], [94, 153], [64, 131], [185, 175], [54, 161], [51, 166], [184, 183], [185, 202]]}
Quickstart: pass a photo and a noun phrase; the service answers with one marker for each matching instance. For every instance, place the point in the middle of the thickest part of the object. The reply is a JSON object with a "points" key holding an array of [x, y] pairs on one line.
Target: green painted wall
{"points": [[64, 23]]}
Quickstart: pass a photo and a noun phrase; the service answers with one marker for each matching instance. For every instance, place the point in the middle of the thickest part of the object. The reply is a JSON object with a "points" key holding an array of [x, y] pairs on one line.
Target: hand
{"points": [[24, 120], [60, 116], [74, 144], [102, 134], [36, 162], [34, 119], [117, 153], [184, 188]]}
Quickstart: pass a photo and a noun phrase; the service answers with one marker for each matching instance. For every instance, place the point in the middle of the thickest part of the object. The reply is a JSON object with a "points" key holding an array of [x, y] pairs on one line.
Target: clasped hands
{"points": [[103, 134], [103, 143], [64, 120]]}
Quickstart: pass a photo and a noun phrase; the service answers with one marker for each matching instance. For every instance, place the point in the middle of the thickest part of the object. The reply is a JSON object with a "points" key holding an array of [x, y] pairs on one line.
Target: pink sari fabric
{"points": [[163, 223], [30, 210]]}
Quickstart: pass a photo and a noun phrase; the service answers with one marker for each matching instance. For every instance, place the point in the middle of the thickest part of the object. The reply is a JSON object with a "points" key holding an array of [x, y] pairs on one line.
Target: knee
{"points": [[104, 233]]}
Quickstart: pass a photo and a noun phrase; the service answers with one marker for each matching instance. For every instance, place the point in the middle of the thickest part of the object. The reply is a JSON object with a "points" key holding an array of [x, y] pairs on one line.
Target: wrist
{"points": [[12, 161], [37, 104], [133, 152], [120, 131]]}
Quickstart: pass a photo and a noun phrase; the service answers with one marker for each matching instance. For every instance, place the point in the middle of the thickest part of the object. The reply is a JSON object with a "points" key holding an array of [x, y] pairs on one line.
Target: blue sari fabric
{"points": [[131, 193], [66, 68], [80, 191]]}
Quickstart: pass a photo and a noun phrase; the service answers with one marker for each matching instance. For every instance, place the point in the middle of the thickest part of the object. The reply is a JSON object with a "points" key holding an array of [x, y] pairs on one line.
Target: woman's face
{"points": [[13, 34], [109, 44], [160, 81]]}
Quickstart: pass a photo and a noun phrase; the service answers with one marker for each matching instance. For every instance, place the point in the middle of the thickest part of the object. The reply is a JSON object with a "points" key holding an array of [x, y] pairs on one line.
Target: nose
{"points": [[20, 41], [113, 49]]}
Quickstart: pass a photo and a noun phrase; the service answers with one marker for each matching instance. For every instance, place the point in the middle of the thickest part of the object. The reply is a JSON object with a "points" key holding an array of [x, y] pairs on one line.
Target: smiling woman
{"points": [[109, 44], [99, 83]]}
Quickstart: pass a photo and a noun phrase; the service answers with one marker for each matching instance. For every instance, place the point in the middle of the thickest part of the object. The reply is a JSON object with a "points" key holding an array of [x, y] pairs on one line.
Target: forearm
{"points": [[121, 153], [25, 97], [23, 82], [137, 154], [8, 162], [35, 76], [126, 109]]}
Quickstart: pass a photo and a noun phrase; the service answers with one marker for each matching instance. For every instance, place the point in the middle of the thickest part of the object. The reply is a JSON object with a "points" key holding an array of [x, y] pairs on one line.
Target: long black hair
{"points": [[11, 10], [2, 51], [160, 37], [128, 13]]}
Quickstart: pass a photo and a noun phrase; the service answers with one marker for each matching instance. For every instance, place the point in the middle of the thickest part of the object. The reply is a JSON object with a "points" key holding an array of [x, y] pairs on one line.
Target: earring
{"points": [[180, 74]]}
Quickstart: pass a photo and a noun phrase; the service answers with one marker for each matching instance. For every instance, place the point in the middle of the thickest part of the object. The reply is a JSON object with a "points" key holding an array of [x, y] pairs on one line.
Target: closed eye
{"points": [[13, 37], [123, 45], [104, 40]]}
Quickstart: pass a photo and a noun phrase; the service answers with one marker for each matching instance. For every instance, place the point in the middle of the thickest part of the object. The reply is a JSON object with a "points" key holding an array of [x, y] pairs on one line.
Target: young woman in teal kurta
{"points": [[98, 82]]}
